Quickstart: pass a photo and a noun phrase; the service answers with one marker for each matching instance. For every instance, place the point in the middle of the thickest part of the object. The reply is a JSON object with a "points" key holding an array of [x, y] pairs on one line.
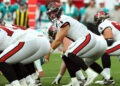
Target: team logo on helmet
{"points": [[100, 16], [54, 11]]}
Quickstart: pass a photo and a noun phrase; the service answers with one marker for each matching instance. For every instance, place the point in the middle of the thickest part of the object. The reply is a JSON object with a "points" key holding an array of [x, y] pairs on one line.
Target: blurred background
{"points": [[32, 13]]}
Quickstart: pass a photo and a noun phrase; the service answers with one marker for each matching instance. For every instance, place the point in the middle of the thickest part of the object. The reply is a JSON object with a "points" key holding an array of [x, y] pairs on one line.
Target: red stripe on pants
{"points": [[82, 45], [13, 51], [113, 49]]}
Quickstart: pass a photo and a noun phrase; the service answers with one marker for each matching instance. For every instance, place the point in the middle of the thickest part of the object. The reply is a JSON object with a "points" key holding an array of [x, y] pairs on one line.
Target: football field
{"points": [[51, 69]]}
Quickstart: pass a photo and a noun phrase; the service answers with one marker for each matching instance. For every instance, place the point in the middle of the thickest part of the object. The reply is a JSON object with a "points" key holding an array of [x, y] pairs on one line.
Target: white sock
{"points": [[89, 71], [29, 80], [34, 76], [105, 75], [80, 75], [58, 76], [107, 70], [23, 82], [15, 83]]}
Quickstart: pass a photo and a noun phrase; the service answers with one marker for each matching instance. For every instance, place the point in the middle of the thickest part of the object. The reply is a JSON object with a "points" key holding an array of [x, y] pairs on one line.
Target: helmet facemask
{"points": [[54, 11]]}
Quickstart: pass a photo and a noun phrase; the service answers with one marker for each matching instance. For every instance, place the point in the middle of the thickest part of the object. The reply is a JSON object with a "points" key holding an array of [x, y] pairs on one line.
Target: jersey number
{"points": [[9, 32], [116, 25]]}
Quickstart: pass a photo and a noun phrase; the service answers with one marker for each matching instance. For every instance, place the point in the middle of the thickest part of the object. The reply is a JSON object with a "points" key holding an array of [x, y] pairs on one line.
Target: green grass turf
{"points": [[51, 69]]}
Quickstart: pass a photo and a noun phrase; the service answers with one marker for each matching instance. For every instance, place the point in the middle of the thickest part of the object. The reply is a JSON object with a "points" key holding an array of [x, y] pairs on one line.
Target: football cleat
{"points": [[32, 84], [90, 78], [106, 82], [80, 83], [37, 82], [8, 85]]}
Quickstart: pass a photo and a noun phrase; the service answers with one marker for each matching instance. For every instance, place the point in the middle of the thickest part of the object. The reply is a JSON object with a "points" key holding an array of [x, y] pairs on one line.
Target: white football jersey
{"points": [[76, 30], [9, 35], [113, 25]]}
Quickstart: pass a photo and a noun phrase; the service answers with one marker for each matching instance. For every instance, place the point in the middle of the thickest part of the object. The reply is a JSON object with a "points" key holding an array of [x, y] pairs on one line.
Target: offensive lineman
{"points": [[20, 46], [111, 32], [85, 43]]}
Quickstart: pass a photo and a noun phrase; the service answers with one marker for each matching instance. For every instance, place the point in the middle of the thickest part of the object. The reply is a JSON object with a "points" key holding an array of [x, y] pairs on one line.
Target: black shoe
{"points": [[82, 81], [109, 81], [106, 81]]}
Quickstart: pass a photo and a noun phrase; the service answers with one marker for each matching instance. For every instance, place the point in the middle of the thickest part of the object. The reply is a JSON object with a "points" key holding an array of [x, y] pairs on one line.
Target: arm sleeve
{"points": [[64, 21], [103, 26]]}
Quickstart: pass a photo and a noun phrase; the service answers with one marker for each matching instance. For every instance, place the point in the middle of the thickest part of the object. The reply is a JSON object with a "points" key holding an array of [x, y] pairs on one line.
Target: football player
{"points": [[52, 33], [23, 46], [111, 32], [86, 44]]}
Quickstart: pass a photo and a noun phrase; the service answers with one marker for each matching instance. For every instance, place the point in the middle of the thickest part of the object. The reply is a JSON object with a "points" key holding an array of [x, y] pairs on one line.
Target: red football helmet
{"points": [[52, 33], [54, 10], [100, 16]]}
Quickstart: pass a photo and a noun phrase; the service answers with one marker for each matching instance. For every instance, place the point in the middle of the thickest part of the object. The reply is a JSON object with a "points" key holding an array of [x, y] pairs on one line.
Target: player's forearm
{"points": [[55, 44]]}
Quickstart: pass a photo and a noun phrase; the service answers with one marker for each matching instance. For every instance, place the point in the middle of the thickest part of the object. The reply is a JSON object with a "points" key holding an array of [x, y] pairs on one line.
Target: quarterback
{"points": [[85, 43]]}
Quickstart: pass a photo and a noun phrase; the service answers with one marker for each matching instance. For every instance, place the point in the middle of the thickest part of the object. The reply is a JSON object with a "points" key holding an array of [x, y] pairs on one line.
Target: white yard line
{"points": [[53, 77]]}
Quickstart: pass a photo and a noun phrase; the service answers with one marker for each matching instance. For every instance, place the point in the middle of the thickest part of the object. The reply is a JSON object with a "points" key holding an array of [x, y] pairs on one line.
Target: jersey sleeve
{"points": [[103, 26], [64, 22]]}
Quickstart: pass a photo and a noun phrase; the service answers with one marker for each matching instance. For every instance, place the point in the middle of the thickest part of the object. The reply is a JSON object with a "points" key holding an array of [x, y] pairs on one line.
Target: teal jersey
{"points": [[1, 5], [71, 11], [106, 10], [81, 13], [15, 6], [24, 1], [44, 17], [7, 14]]}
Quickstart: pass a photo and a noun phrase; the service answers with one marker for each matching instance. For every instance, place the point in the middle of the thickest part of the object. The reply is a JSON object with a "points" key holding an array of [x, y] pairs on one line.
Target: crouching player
{"points": [[20, 46], [85, 43]]}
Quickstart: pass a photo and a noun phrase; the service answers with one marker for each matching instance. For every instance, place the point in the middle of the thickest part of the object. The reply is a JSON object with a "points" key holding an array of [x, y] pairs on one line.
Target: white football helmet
{"points": [[7, 2]]}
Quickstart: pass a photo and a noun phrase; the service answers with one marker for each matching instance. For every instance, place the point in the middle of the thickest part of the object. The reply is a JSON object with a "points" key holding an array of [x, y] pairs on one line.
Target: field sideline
{"points": [[51, 70]]}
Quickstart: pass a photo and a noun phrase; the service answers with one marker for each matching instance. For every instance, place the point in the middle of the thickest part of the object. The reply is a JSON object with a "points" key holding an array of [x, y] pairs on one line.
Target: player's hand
{"points": [[46, 58]]}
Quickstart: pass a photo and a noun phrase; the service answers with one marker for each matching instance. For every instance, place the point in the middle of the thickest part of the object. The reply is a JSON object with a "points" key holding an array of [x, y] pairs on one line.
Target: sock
{"points": [[34, 76], [89, 71], [96, 67], [80, 75], [107, 70], [8, 71], [106, 61], [23, 82], [105, 75], [30, 67], [78, 61], [69, 66], [29, 80], [15, 83]]}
